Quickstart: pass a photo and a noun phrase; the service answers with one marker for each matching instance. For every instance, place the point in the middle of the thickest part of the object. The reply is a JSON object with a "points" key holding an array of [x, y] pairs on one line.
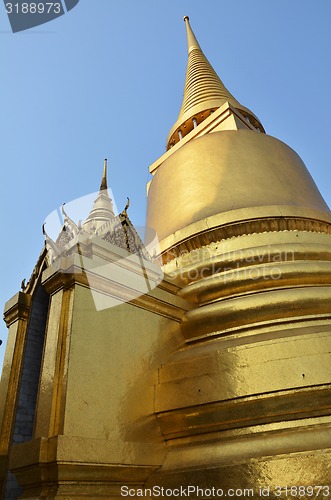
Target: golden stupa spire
{"points": [[204, 92]]}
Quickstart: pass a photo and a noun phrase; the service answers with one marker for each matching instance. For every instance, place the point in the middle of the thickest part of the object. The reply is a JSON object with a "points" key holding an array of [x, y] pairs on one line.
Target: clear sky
{"points": [[106, 80]]}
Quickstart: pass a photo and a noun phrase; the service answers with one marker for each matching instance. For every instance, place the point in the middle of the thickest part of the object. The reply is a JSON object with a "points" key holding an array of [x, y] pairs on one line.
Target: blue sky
{"points": [[106, 80]]}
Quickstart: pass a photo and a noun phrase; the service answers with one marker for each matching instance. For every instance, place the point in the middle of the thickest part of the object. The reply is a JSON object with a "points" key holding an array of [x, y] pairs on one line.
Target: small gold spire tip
{"points": [[192, 42], [104, 176]]}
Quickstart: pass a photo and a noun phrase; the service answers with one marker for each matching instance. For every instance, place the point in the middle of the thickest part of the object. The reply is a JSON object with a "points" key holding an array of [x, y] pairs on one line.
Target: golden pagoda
{"points": [[214, 381], [246, 401]]}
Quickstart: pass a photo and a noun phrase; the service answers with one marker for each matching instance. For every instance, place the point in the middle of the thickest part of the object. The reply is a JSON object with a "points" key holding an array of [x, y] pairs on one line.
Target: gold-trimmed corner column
{"points": [[53, 378], [16, 316]]}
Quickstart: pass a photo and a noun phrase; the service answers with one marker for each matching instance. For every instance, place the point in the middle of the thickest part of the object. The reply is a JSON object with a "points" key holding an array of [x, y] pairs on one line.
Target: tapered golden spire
{"points": [[204, 92]]}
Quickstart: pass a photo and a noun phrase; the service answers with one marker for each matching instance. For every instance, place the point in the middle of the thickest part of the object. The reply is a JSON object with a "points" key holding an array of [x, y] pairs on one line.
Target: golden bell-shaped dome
{"points": [[226, 177]]}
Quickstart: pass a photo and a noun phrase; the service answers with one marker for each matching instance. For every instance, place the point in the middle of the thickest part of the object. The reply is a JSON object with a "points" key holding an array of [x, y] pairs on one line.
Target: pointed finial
{"points": [[103, 184], [192, 42], [127, 204], [44, 231], [63, 211]]}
